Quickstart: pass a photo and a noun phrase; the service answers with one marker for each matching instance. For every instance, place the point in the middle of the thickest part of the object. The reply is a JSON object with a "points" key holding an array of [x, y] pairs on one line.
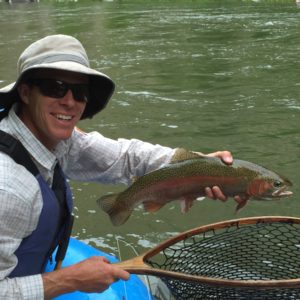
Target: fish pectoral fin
{"points": [[186, 204], [151, 206], [241, 205]]}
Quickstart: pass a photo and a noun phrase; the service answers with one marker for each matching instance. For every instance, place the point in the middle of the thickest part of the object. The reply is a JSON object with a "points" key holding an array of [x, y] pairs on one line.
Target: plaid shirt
{"points": [[83, 157]]}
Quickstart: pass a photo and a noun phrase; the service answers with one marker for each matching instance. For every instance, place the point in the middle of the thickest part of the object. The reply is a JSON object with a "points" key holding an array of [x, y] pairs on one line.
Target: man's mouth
{"points": [[63, 117]]}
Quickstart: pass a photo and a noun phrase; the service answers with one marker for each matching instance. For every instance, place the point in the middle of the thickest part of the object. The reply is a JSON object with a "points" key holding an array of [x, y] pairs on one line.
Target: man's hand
{"points": [[94, 274], [215, 192]]}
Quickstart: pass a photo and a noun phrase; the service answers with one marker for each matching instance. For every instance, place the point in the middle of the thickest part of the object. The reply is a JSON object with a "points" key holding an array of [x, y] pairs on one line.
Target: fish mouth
{"points": [[282, 193]]}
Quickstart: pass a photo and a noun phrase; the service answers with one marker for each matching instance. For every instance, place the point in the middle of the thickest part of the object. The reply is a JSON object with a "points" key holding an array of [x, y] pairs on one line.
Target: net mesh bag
{"points": [[262, 251]]}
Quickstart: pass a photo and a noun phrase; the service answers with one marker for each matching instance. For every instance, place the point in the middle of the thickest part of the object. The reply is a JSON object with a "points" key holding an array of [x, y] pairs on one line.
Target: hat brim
{"points": [[101, 86]]}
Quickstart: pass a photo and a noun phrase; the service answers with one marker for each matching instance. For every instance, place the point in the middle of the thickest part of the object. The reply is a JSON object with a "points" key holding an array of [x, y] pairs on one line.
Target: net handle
{"points": [[137, 264]]}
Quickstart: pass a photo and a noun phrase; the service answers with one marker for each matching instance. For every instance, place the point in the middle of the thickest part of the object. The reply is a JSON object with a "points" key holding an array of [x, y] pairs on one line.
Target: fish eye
{"points": [[277, 183]]}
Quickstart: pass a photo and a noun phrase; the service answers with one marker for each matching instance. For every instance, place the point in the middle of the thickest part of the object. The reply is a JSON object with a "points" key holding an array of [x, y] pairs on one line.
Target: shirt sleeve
{"points": [[25, 288], [93, 157]]}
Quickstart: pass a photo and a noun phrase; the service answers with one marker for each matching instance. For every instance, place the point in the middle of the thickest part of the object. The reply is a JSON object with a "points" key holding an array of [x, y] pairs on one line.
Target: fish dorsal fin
{"points": [[134, 179], [183, 154]]}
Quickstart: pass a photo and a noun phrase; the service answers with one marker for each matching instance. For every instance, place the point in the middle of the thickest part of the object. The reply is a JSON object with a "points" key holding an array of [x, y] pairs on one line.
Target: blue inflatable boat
{"points": [[134, 288]]}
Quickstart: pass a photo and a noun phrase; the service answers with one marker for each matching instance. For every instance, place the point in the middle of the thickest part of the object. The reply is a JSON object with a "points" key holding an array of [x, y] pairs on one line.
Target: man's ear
{"points": [[24, 90]]}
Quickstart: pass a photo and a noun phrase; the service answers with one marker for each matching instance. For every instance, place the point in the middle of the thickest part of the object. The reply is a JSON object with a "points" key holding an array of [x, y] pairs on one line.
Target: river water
{"points": [[205, 75]]}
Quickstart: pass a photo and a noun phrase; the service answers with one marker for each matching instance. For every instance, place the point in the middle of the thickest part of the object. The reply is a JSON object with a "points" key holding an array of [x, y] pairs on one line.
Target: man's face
{"points": [[51, 119]]}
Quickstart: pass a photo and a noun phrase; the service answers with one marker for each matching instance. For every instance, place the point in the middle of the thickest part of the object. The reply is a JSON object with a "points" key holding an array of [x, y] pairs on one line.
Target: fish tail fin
{"points": [[118, 215]]}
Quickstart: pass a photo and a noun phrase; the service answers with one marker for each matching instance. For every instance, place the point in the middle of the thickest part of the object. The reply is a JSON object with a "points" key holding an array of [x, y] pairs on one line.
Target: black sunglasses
{"points": [[58, 89]]}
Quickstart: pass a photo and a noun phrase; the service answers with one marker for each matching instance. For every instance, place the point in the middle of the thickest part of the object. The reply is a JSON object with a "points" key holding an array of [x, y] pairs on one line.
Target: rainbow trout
{"points": [[187, 179]]}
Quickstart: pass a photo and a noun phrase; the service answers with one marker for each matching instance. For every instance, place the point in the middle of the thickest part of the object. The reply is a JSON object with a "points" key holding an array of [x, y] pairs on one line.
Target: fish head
{"points": [[270, 188], [279, 188]]}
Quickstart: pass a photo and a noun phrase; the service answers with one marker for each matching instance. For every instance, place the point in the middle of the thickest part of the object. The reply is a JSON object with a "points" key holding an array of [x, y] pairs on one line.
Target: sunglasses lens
{"points": [[53, 88], [58, 89], [80, 92]]}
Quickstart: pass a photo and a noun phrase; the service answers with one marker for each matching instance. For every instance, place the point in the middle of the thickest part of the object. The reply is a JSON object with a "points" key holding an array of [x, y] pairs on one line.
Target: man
{"points": [[55, 89]]}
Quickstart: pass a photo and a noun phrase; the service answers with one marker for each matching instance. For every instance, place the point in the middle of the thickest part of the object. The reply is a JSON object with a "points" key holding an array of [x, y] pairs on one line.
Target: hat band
{"points": [[59, 58]]}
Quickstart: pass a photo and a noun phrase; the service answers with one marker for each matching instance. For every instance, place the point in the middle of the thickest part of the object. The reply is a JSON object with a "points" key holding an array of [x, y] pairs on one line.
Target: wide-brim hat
{"points": [[60, 52]]}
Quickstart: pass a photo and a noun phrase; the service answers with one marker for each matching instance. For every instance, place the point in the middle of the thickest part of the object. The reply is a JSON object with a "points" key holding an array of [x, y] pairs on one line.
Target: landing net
{"points": [[235, 257]]}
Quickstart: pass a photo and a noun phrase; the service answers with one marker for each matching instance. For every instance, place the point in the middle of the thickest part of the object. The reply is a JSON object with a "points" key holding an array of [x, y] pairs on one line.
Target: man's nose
{"points": [[68, 98]]}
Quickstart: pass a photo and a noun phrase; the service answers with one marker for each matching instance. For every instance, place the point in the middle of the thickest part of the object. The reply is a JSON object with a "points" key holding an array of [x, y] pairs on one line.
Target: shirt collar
{"points": [[36, 149]]}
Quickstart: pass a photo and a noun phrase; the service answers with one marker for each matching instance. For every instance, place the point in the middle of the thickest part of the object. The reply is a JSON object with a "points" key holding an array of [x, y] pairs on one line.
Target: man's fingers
{"points": [[215, 193]]}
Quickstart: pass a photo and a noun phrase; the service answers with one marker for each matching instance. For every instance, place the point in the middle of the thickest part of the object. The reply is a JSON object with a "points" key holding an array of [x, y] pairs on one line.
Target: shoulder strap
{"points": [[14, 148]]}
